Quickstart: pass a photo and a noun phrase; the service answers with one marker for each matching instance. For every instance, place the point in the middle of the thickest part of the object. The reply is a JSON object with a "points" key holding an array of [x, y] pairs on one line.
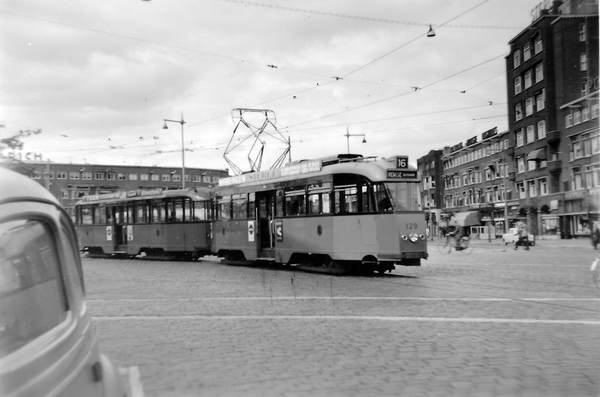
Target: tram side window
{"points": [[295, 202], [100, 215], [224, 208], [251, 204], [175, 211], [141, 213], [239, 202], [201, 210], [319, 199], [366, 201], [158, 212], [109, 215], [278, 203], [86, 216], [381, 198], [346, 199]]}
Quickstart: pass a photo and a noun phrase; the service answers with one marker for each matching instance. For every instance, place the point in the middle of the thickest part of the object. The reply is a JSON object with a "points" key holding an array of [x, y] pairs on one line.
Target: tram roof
{"points": [[372, 168], [196, 194]]}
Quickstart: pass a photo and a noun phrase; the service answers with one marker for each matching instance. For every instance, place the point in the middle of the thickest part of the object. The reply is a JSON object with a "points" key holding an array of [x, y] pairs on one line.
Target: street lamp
{"points": [[348, 135], [182, 147]]}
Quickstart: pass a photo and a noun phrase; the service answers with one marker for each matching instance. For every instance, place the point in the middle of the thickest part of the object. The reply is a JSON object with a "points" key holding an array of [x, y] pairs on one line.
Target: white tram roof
{"points": [[372, 168], [196, 194]]}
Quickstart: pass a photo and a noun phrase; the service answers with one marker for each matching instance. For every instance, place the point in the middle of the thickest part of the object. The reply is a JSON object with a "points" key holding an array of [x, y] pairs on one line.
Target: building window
{"points": [[98, 175], [521, 164], [111, 176], [540, 101], [538, 44], [121, 176], [154, 177], [61, 175], [539, 72], [541, 129], [519, 135], [528, 80], [187, 178], [530, 134], [585, 114], [86, 176], [577, 118], [215, 179], [176, 178], [583, 61], [521, 190], [48, 174], [531, 188], [166, 178], [518, 85], [595, 111], [543, 184], [74, 175], [569, 121], [516, 58], [584, 88], [526, 52], [582, 32], [529, 106], [64, 193], [133, 177], [518, 112], [143, 177]]}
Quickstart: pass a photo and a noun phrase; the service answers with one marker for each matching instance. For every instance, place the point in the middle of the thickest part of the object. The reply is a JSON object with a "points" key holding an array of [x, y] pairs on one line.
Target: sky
{"points": [[100, 77]]}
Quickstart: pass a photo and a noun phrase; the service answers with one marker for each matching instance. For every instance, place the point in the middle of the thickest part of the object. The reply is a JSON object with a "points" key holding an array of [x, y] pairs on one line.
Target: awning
{"points": [[469, 218], [537, 155]]}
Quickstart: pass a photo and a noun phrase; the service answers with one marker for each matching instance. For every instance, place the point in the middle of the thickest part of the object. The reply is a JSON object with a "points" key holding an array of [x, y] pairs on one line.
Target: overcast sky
{"points": [[99, 77]]}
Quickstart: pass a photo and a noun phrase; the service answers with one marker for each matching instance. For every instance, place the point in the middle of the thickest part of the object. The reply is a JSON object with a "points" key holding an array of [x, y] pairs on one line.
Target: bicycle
{"points": [[464, 245]]}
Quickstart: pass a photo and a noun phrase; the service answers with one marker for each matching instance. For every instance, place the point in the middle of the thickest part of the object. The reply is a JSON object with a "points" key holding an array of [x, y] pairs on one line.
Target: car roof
{"points": [[15, 186]]}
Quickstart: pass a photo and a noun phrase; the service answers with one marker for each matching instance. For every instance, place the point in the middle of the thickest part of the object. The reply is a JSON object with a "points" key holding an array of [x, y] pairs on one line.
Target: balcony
{"points": [[553, 136], [554, 166]]}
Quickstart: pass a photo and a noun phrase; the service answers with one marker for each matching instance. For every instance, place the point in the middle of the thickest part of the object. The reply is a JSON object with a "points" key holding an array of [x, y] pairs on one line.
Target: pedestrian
{"points": [[595, 235], [523, 234]]}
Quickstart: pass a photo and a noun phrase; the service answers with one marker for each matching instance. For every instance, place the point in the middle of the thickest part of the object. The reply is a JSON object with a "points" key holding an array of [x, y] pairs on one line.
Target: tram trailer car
{"points": [[336, 214], [159, 224]]}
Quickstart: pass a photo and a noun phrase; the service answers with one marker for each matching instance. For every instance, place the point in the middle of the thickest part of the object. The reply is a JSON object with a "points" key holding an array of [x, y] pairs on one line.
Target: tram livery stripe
{"points": [[350, 298], [356, 318]]}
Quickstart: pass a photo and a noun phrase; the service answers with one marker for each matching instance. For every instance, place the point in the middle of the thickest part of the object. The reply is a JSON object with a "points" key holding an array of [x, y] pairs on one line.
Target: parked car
{"points": [[48, 343], [513, 236]]}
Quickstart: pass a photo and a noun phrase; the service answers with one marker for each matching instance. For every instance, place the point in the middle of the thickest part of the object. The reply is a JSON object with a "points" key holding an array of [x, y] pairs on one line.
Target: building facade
{"points": [[545, 170], [430, 169]]}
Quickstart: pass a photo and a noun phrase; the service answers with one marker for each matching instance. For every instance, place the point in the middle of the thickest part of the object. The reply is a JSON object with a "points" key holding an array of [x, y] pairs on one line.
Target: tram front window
{"points": [[404, 195]]}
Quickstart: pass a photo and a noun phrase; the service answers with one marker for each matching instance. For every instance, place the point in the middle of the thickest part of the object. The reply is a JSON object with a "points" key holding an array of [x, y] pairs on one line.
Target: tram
{"points": [[337, 214], [152, 223]]}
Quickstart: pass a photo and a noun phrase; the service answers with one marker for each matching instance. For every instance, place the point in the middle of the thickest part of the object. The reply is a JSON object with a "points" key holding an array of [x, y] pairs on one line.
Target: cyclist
{"points": [[455, 232]]}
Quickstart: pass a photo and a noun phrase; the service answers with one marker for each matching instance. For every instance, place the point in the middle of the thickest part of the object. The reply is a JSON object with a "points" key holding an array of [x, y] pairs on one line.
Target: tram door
{"points": [[266, 206], [120, 228]]}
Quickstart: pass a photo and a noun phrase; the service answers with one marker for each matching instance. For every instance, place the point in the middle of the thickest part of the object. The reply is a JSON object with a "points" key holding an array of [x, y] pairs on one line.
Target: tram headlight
{"points": [[422, 236], [404, 237], [413, 237]]}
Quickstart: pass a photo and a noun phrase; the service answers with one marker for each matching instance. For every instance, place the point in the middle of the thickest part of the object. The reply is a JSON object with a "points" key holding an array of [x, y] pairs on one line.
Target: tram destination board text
{"points": [[396, 174]]}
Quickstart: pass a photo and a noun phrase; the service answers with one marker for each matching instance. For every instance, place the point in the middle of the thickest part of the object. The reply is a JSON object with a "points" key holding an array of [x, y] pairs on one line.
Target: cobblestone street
{"points": [[496, 322]]}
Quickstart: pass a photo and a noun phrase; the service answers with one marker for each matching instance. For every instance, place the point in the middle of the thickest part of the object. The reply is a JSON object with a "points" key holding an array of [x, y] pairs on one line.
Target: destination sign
{"points": [[401, 174]]}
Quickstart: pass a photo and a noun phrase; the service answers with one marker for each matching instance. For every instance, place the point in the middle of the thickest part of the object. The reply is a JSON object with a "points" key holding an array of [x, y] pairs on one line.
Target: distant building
{"points": [[70, 182], [430, 169]]}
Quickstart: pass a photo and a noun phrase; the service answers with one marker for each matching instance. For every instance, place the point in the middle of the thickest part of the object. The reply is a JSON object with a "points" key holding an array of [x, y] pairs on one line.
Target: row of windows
{"points": [[535, 187], [585, 178], [318, 199], [476, 154], [530, 77], [533, 104], [473, 177], [584, 145], [157, 211], [492, 194], [523, 165], [527, 51], [113, 176], [580, 116], [531, 133]]}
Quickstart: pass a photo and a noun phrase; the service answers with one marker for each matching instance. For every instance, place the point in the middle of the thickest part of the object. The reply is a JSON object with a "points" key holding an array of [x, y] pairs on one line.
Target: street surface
{"points": [[497, 322]]}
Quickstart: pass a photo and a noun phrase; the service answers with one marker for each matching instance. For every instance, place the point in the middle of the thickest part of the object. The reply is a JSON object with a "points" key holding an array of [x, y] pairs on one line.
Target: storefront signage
{"points": [[472, 141], [456, 147], [296, 169], [576, 195], [489, 133], [21, 156]]}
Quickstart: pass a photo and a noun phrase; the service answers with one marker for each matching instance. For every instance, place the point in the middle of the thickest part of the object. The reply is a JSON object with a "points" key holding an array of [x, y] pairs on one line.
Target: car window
{"points": [[73, 264], [32, 295]]}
